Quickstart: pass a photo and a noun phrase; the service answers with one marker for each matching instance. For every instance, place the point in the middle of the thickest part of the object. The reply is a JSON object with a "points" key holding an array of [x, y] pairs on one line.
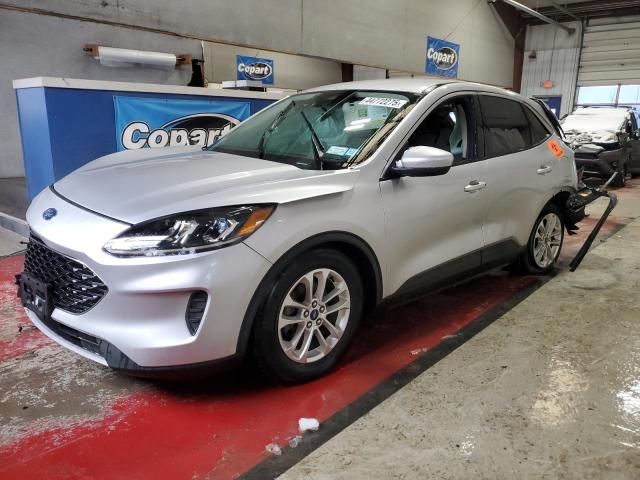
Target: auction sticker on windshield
{"points": [[336, 150], [383, 102]]}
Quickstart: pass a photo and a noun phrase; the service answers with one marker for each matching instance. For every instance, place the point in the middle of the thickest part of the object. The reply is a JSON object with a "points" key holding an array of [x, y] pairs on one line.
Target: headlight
{"points": [[604, 137], [190, 232]]}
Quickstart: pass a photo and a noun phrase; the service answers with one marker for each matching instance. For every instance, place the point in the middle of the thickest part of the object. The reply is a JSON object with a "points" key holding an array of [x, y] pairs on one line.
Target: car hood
{"points": [[588, 125], [138, 185]]}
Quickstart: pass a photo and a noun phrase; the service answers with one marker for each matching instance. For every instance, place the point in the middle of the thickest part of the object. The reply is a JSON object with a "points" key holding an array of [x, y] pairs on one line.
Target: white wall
{"points": [[36, 41], [557, 56], [38, 45], [383, 33], [360, 72], [392, 34]]}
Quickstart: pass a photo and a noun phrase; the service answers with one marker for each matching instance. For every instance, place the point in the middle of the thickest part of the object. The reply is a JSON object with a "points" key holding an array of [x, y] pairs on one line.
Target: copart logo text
{"points": [[199, 129], [445, 58], [255, 70]]}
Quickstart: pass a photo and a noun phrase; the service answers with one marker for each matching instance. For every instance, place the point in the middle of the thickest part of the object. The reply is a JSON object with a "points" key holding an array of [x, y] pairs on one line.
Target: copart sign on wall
{"points": [[146, 122], [442, 58], [254, 68]]}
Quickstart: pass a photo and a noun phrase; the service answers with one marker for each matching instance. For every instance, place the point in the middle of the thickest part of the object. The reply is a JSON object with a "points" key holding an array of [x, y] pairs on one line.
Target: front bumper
{"points": [[595, 167], [599, 162], [140, 324]]}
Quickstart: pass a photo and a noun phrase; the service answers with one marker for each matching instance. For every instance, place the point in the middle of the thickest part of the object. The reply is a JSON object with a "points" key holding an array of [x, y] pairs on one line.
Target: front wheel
{"points": [[545, 242], [621, 178], [308, 317]]}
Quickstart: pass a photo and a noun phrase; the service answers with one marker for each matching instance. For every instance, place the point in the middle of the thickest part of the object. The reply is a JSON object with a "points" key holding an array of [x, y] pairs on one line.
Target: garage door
{"points": [[610, 53]]}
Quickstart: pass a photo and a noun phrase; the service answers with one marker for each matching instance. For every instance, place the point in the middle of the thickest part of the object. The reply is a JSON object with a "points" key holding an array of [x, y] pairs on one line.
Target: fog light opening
{"points": [[195, 310]]}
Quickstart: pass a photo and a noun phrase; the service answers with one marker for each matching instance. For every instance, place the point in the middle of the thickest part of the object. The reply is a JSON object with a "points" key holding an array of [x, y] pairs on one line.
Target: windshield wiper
{"points": [[272, 127], [318, 149]]}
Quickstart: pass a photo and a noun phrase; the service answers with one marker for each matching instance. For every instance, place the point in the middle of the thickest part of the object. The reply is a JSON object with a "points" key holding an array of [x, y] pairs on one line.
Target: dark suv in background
{"points": [[605, 140]]}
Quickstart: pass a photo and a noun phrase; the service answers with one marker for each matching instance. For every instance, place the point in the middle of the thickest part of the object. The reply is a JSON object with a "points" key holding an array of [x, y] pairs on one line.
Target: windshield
{"points": [[324, 130], [593, 120]]}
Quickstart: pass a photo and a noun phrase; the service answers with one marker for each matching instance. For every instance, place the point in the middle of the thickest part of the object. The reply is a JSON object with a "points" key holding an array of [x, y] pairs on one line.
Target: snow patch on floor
{"points": [[52, 389]]}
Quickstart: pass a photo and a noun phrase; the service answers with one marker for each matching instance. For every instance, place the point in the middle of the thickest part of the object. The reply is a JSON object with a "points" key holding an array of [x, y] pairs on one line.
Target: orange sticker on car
{"points": [[555, 148]]}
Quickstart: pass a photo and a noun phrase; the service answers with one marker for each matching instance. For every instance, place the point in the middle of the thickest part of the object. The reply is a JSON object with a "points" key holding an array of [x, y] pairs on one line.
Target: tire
{"points": [[621, 179], [294, 317], [530, 261]]}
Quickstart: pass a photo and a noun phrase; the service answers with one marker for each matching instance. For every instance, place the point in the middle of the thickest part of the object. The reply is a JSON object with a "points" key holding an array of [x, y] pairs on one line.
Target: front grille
{"points": [[74, 288]]}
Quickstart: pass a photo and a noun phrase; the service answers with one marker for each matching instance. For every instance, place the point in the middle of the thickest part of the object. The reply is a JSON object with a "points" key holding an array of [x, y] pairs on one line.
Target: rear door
{"points": [[523, 172]]}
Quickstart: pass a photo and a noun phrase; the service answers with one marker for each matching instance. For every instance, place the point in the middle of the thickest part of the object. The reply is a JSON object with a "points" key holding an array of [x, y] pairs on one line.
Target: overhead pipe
{"points": [[534, 13], [564, 10]]}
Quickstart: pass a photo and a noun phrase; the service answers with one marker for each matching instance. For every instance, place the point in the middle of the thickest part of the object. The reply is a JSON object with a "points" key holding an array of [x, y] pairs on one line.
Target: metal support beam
{"points": [[514, 22], [538, 15], [564, 10]]}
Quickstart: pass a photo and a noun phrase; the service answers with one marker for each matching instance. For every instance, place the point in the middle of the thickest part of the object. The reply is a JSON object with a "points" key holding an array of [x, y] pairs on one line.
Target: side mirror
{"points": [[422, 162]]}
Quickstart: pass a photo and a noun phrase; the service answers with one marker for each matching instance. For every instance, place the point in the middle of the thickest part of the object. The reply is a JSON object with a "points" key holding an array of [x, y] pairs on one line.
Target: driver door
{"points": [[433, 225]]}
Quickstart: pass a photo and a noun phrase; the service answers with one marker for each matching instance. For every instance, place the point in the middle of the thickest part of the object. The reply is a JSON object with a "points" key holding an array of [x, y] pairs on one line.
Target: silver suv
{"points": [[277, 239]]}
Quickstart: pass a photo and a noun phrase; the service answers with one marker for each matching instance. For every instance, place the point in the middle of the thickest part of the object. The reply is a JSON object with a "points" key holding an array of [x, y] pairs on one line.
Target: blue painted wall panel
{"points": [[34, 135]]}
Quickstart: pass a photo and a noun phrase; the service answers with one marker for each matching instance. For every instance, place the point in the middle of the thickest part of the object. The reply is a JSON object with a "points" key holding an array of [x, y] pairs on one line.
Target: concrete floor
{"points": [[13, 197], [550, 390], [10, 242]]}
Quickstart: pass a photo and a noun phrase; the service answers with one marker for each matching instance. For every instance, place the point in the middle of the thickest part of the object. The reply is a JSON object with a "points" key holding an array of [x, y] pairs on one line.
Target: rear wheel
{"points": [[309, 317], [545, 242]]}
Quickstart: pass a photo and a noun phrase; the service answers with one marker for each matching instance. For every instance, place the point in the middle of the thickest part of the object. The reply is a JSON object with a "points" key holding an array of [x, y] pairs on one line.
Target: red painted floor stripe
{"points": [[221, 430]]}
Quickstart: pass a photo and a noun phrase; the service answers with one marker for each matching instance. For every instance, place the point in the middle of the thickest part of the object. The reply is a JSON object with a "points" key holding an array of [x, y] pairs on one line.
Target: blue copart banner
{"points": [[442, 58], [254, 68], [145, 122]]}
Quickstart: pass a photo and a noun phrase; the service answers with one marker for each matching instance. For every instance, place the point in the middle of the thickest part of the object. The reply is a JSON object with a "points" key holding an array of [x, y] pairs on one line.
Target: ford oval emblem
{"points": [[49, 213]]}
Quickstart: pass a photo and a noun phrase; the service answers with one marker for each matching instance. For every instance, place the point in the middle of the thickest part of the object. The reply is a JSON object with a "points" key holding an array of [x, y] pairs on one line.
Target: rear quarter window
{"points": [[539, 132]]}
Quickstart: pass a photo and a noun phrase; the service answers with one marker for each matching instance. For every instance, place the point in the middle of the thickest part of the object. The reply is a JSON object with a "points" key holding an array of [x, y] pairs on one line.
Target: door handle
{"points": [[544, 169], [474, 186]]}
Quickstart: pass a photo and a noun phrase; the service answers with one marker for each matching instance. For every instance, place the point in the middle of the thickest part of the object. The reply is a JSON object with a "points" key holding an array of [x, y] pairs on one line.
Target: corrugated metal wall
{"points": [[556, 58], [611, 52]]}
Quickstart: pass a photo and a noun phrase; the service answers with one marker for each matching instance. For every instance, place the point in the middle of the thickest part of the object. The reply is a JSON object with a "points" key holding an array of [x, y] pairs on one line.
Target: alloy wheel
{"points": [[547, 240], [314, 315]]}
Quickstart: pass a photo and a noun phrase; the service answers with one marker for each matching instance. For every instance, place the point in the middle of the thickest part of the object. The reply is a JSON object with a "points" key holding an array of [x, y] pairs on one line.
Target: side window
{"points": [[451, 127], [539, 132], [506, 129]]}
